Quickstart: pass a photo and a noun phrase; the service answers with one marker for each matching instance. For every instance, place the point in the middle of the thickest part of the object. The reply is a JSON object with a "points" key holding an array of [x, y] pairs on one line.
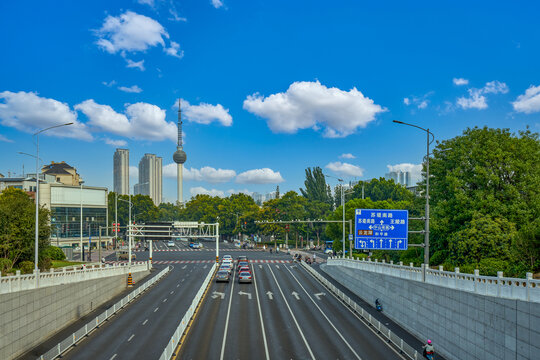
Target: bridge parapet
{"points": [[75, 274], [526, 289]]}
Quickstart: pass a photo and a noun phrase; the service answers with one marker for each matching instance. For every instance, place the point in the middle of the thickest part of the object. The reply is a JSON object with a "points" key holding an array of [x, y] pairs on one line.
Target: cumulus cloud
{"points": [[217, 3], [206, 113], [5, 139], [345, 169], [477, 98], [206, 173], [414, 169], [132, 32], [347, 156], [312, 105], [259, 176], [139, 121], [131, 89], [115, 142], [460, 81], [200, 190], [138, 64], [28, 112], [133, 172], [529, 102], [420, 102], [109, 84]]}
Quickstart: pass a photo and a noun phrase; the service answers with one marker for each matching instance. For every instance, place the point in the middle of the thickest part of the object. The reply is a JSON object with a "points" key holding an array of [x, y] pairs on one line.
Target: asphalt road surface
{"points": [[284, 314]]}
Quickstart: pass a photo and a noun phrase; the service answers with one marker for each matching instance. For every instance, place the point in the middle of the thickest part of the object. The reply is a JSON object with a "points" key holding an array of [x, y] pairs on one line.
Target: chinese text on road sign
{"points": [[381, 229]]}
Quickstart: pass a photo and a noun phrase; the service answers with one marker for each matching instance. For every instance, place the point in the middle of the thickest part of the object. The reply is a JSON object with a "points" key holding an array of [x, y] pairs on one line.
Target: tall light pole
{"points": [[81, 229], [343, 206], [37, 191], [426, 231]]}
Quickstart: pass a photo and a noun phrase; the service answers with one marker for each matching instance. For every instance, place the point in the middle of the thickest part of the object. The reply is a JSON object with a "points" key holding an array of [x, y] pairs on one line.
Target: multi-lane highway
{"points": [[284, 314]]}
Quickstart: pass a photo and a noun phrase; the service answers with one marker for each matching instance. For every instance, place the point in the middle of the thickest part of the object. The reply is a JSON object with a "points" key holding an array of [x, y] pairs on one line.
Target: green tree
{"points": [[382, 189], [316, 187], [17, 226]]}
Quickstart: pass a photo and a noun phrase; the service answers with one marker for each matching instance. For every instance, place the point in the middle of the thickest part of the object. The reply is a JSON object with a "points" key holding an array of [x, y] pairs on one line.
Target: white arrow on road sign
{"points": [[217, 294], [260, 266], [370, 227], [319, 295], [245, 293], [270, 295], [295, 294]]}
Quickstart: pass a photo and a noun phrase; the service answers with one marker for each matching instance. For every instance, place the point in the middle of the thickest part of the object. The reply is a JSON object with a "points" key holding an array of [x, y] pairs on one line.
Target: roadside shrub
{"points": [[26, 267], [45, 264], [467, 268], [5, 265], [438, 258], [54, 253], [490, 266]]}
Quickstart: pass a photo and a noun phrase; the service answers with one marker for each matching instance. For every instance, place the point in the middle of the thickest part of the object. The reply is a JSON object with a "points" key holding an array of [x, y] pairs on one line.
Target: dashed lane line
{"points": [[145, 321], [131, 337], [260, 316]]}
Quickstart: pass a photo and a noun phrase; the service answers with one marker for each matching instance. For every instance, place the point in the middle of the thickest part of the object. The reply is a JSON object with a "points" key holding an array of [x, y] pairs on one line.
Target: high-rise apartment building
{"points": [[121, 171], [150, 177], [399, 177]]}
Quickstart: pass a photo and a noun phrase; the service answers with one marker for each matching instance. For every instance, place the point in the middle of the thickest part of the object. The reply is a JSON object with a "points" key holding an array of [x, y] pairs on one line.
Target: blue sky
{"points": [[268, 87]]}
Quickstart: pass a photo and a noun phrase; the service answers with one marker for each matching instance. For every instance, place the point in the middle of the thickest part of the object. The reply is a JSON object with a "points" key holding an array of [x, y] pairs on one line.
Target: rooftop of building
{"points": [[57, 168]]}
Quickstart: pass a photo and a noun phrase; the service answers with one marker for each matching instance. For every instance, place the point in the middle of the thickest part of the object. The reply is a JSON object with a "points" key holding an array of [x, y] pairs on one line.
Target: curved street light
{"points": [[426, 231], [37, 191]]}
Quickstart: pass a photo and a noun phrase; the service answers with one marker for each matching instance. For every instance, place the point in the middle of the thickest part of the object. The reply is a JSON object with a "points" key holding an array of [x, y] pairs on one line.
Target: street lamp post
{"points": [[81, 227], [426, 231], [37, 191], [343, 206]]}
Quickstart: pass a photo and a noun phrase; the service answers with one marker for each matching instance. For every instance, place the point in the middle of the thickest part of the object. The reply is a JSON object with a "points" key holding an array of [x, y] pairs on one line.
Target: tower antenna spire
{"points": [[179, 156]]}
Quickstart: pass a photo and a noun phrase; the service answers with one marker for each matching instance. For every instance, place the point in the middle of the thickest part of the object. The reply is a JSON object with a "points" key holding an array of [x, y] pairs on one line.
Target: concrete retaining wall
{"points": [[462, 325], [29, 317]]}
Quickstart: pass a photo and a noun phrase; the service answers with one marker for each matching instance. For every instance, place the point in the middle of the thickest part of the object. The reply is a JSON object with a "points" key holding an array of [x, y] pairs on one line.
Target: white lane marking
{"points": [[172, 292], [112, 357], [227, 320], [204, 267], [295, 294], [182, 280], [145, 321], [326, 317], [292, 315], [245, 293], [318, 295], [217, 294], [260, 316], [178, 285], [165, 300], [156, 309], [131, 337], [277, 266], [270, 295], [183, 267], [260, 266]]}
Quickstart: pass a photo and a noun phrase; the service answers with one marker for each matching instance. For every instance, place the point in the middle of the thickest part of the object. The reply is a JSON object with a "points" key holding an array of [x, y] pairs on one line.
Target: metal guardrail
{"points": [[382, 330], [71, 340], [173, 343], [66, 275], [527, 289]]}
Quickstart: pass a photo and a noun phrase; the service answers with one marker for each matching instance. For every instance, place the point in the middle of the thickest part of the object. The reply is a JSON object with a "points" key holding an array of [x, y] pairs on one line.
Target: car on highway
{"points": [[244, 268], [170, 243], [227, 257], [196, 245], [242, 258], [243, 263], [223, 275], [244, 277], [328, 251], [226, 267]]}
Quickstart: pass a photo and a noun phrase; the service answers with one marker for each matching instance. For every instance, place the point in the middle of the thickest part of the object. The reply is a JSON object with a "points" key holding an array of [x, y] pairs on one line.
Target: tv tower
{"points": [[179, 156]]}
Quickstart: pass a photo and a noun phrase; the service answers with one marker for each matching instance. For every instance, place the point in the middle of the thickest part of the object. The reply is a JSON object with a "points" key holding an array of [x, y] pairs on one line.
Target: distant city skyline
{"points": [[121, 171], [256, 113]]}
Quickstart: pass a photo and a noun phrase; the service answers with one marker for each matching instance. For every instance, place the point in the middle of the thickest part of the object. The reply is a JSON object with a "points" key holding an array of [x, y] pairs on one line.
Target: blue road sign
{"points": [[381, 229]]}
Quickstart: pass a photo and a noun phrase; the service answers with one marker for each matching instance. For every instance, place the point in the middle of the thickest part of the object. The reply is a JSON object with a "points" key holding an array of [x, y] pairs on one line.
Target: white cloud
{"points": [[414, 169], [5, 139], [206, 173], [174, 14], [146, 2], [115, 142], [173, 50], [460, 81], [345, 169], [138, 64], [132, 32], [133, 172], [206, 113], [200, 190], [28, 112], [406, 101], [477, 100], [529, 102], [217, 3], [109, 84], [312, 105], [259, 176], [347, 156], [140, 120], [420, 102], [131, 89]]}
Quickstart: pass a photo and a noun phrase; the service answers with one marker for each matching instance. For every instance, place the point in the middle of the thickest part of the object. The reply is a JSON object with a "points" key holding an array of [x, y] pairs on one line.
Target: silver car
{"points": [[244, 277], [222, 275]]}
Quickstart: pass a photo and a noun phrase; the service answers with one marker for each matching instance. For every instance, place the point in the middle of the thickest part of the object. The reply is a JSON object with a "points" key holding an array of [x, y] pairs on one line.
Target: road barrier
{"points": [[526, 289], [168, 352], [383, 331], [67, 275], [78, 335]]}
